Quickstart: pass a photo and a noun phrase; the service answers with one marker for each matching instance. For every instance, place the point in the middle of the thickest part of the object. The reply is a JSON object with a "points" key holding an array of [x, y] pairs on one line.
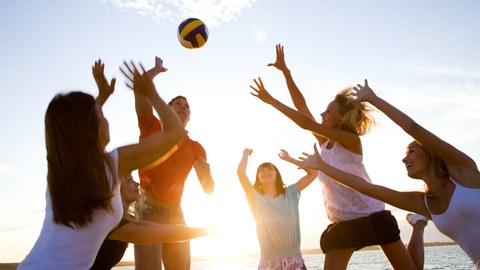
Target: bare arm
{"points": [[202, 169], [410, 201], [307, 179], [460, 166], [143, 107], [297, 96], [159, 146], [146, 232], [348, 139], [242, 176]]}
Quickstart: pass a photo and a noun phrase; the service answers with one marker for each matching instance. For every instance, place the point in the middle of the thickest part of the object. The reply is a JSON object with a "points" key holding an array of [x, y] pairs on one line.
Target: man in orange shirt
{"points": [[163, 183]]}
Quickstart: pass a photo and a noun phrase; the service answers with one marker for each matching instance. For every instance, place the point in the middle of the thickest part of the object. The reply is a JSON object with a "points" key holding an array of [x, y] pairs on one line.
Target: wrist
{"points": [[373, 99]]}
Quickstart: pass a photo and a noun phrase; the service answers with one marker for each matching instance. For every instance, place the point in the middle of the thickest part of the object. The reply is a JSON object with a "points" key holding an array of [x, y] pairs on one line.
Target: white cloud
{"points": [[450, 71], [5, 168], [212, 12]]}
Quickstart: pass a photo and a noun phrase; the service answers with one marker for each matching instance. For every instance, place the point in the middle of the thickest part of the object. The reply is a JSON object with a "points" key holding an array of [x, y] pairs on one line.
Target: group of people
{"points": [[94, 208], [355, 205]]}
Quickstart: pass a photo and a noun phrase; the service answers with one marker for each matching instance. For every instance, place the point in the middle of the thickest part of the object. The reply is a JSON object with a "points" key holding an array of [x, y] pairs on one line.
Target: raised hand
{"points": [[105, 89], [285, 156], [363, 93], [280, 60], [158, 68], [247, 152], [313, 161], [159, 65], [261, 92], [141, 83]]}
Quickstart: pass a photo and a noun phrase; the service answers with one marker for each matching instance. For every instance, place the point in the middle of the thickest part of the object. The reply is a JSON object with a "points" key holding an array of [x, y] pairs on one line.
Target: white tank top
{"points": [[62, 247], [461, 220], [341, 202]]}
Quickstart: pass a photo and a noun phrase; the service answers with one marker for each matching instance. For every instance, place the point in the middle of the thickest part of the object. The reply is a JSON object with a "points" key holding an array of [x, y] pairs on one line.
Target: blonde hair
{"points": [[436, 164], [355, 116]]}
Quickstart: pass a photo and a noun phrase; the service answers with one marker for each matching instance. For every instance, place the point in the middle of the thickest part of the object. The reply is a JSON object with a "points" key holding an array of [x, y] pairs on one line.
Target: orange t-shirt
{"points": [[167, 180]]}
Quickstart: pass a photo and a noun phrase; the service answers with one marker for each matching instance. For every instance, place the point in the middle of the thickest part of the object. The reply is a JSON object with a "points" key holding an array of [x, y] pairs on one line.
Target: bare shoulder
{"points": [[467, 177]]}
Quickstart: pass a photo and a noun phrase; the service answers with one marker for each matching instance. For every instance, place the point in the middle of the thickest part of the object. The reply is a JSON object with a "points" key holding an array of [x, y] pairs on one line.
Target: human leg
{"points": [[337, 259], [378, 228], [340, 240], [148, 257], [176, 256], [398, 256], [415, 246], [388, 237]]}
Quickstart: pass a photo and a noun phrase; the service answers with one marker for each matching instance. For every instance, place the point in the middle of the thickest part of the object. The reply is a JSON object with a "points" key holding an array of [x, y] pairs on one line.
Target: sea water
{"points": [[436, 257]]}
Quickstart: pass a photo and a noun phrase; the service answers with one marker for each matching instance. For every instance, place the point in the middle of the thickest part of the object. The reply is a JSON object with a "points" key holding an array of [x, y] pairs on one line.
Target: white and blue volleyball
{"points": [[192, 33]]}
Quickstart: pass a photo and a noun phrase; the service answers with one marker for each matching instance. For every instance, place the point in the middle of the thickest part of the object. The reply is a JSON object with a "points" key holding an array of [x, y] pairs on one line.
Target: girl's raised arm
{"points": [[307, 179], [160, 145], [242, 176], [410, 201], [453, 157]]}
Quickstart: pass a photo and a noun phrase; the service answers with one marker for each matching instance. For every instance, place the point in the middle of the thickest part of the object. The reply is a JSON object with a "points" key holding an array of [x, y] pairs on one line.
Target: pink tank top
{"points": [[343, 203]]}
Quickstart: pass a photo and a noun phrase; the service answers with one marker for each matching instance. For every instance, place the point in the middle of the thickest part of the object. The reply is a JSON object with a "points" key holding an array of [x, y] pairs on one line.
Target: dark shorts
{"points": [[173, 255], [379, 228], [163, 215]]}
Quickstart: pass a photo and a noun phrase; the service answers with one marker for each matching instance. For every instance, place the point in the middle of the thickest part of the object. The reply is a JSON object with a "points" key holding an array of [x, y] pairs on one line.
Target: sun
{"points": [[227, 215]]}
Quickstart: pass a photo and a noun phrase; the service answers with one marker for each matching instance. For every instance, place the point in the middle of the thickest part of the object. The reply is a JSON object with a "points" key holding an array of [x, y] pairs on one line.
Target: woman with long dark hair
{"points": [[83, 201]]}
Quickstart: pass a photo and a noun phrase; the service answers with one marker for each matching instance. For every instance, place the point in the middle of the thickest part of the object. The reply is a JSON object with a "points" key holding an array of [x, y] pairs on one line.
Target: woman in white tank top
{"points": [[83, 202]]}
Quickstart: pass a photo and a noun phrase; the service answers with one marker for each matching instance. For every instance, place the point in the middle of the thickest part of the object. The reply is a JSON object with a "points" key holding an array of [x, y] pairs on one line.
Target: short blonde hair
{"points": [[355, 116]]}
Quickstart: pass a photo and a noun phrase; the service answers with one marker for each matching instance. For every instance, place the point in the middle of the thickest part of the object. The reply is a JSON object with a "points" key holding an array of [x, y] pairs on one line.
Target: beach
{"points": [[437, 256]]}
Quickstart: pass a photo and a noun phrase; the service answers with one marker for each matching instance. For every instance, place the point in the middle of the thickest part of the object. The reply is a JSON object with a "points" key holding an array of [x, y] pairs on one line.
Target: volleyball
{"points": [[192, 33]]}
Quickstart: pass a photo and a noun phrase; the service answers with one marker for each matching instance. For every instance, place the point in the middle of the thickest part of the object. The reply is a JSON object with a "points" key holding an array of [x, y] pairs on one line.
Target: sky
{"points": [[422, 56]]}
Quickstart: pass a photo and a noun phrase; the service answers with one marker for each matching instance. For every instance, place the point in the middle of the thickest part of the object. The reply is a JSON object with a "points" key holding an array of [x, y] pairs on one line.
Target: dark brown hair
{"points": [[175, 98], [77, 177], [278, 180]]}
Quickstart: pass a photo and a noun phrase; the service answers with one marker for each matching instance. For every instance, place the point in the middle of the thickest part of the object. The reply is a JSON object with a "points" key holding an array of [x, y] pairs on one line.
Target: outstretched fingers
{"points": [[283, 154], [307, 157], [129, 72], [279, 48], [280, 58], [97, 69], [112, 83], [259, 87]]}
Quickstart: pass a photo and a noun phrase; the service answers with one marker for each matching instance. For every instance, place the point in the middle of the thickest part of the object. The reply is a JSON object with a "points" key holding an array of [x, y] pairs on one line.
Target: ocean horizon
{"points": [[436, 258]]}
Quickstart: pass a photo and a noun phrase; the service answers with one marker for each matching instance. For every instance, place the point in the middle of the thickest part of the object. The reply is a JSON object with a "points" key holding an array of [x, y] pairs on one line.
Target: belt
{"points": [[151, 200]]}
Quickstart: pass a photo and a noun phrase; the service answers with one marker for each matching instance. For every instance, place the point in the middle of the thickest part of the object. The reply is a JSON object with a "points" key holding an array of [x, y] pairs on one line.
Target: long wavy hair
{"points": [[355, 116], [278, 180], [77, 178]]}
